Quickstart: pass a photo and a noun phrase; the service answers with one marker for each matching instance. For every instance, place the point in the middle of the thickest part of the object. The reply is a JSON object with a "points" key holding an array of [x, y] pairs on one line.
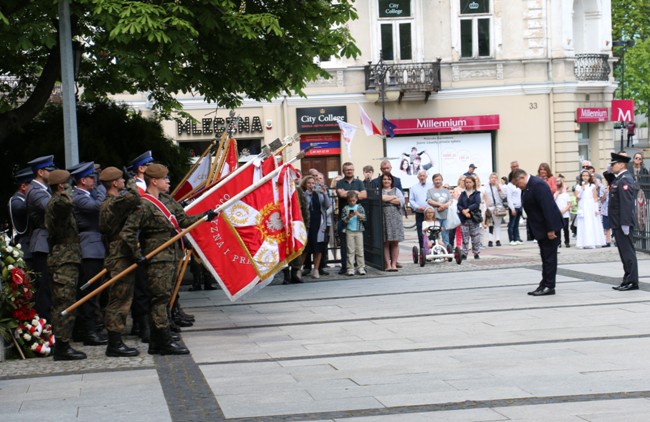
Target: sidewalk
{"points": [[467, 344]]}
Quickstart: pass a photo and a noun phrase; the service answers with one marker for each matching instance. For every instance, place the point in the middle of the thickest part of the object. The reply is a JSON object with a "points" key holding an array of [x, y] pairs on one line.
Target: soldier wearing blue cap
{"points": [[141, 299], [622, 218], [87, 201], [38, 195], [18, 211]]}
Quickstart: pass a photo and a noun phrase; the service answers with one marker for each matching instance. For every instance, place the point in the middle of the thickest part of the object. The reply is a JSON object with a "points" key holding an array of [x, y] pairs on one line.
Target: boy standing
{"points": [[353, 216]]}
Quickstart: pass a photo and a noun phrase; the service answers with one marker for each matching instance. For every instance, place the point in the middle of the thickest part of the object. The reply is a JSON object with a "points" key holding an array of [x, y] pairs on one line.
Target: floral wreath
{"points": [[19, 321]]}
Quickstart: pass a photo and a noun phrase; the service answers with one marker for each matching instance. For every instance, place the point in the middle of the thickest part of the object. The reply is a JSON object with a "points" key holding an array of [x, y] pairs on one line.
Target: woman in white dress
{"points": [[589, 225]]}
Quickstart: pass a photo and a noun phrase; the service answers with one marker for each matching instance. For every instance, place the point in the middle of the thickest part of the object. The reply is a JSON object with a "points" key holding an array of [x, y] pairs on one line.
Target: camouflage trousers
{"points": [[120, 295], [64, 293], [160, 278]]}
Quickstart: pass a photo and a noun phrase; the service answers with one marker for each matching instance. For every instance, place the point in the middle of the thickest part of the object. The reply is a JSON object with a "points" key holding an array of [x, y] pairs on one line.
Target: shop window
{"points": [[396, 29], [475, 28]]}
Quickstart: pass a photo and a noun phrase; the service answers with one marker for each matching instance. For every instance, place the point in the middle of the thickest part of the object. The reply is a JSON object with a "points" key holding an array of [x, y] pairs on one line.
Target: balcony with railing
{"points": [[592, 67], [404, 77]]}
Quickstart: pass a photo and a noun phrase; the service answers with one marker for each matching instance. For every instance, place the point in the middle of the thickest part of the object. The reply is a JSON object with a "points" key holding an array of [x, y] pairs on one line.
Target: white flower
{"points": [[18, 246], [10, 267], [16, 253], [9, 249]]}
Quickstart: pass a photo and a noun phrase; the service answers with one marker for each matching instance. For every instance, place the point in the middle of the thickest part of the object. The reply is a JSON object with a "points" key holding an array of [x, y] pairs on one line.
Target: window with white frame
{"points": [[396, 29], [475, 28]]}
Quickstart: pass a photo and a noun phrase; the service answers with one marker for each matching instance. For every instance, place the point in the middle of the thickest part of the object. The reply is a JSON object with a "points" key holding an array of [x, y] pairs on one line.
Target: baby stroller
{"points": [[434, 250]]}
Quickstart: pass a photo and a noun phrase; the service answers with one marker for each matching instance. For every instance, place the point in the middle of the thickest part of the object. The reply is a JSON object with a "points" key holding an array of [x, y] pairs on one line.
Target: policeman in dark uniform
{"points": [[87, 201], [18, 211], [622, 217], [38, 196]]}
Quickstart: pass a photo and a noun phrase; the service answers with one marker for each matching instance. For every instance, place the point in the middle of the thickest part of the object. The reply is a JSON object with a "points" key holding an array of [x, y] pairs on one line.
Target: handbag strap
{"points": [[494, 200]]}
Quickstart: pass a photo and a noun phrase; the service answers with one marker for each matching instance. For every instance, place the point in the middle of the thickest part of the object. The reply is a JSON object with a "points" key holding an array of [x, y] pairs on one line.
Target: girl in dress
{"points": [[589, 225]]}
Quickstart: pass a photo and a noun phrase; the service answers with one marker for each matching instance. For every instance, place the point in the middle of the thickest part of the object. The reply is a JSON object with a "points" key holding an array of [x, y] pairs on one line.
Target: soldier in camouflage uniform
{"points": [[63, 262], [150, 226], [113, 213]]}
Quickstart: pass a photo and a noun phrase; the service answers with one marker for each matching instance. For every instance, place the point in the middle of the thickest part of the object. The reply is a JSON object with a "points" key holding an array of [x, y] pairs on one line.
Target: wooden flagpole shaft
{"points": [[194, 166], [215, 168], [181, 272], [94, 279], [160, 248]]}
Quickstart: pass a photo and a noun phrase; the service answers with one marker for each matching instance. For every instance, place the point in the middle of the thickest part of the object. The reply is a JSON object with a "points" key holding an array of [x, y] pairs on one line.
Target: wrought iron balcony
{"points": [[591, 67], [405, 77]]}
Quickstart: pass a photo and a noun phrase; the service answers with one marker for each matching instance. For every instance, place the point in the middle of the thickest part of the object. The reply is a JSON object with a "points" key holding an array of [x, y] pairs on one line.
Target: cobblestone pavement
{"points": [[466, 344]]}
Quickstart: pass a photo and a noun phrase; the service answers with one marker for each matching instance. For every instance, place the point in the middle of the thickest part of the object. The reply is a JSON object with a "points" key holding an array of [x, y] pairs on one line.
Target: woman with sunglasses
{"points": [[637, 168]]}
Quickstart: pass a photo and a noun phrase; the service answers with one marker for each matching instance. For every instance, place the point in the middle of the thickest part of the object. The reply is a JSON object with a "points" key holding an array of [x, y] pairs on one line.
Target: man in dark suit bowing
{"points": [[545, 223]]}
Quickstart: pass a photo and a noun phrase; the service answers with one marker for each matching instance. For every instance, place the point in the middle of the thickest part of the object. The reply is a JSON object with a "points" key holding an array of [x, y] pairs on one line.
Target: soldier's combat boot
{"points": [[154, 341], [63, 351], [116, 347], [169, 346], [145, 329], [92, 336]]}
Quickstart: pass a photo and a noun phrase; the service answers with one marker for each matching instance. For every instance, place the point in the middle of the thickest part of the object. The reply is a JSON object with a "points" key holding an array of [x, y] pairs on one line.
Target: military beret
{"points": [[619, 158], [58, 176], [156, 171], [109, 174], [45, 162]]}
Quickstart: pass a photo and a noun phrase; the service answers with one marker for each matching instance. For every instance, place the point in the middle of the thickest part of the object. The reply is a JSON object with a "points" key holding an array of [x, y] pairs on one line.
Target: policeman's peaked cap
{"points": [[619, 158], [83, 170], [25, 175], [140, 160], [45, 162]]}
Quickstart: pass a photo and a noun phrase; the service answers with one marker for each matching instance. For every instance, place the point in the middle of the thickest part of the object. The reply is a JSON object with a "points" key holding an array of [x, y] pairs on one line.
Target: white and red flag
{"points": [[367, 123], [196, 179], [348, 130]]}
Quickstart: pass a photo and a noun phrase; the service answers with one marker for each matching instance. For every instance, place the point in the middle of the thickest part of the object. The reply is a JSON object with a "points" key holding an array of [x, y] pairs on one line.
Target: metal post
{"points": [[383, 102], [622, 94], [67, 86]]}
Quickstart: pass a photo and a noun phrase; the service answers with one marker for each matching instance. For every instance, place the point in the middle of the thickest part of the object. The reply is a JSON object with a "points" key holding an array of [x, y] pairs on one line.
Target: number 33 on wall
{"points": [[532, 106]]}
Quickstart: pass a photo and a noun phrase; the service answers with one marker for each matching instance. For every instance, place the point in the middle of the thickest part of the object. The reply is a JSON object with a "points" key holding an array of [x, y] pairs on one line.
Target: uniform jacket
{"points": [[543, 214], [147, 228], [622, 195], [38, 196], [112, 216], [19, 222], [63, 235], [86, 212]]}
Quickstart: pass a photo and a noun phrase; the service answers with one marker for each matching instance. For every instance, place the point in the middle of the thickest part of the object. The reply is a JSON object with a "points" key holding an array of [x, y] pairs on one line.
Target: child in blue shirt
{"points": [[353, 216]]}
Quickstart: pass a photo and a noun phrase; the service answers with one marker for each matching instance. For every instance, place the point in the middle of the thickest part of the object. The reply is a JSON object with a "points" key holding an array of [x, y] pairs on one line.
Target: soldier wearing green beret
{"points": [[63, 262]]}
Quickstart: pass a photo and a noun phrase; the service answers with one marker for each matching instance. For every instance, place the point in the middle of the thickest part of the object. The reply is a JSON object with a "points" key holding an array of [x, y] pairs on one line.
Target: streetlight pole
{"points": [[624, 45], [380, 71]]}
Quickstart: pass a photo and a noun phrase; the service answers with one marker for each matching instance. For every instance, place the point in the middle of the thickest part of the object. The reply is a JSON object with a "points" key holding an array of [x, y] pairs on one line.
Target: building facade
{"points": [[481, 82]]}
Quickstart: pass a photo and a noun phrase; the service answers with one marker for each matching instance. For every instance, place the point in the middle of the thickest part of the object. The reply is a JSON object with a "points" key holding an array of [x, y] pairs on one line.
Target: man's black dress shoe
{"points": [[539, 289], [626, 287], [546, 291]]}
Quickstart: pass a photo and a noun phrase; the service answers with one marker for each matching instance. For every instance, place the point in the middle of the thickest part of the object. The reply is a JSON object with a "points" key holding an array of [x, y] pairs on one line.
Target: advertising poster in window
{"points": [[448, 154]]}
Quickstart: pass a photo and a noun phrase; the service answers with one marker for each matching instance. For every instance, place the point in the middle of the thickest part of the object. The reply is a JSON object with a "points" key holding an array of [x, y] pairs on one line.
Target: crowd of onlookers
{"points": [[469, 214]]}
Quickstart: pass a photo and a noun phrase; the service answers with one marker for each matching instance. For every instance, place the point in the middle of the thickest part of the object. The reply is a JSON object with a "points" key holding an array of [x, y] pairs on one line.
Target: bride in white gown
{"points": [[589, 224]]}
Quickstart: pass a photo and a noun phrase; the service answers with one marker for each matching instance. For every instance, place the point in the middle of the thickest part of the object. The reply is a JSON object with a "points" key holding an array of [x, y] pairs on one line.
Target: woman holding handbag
{"points": [[494, 197], [469, 207]]}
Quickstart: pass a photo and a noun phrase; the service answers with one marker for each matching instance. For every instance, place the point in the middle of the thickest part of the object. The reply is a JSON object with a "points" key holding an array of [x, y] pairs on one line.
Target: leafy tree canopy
{"points": [[219, 49], [631, 21]]}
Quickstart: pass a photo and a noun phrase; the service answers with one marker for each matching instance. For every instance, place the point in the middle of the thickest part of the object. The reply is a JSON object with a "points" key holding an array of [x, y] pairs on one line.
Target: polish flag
{"points": [[196, 179], [367, 123]]}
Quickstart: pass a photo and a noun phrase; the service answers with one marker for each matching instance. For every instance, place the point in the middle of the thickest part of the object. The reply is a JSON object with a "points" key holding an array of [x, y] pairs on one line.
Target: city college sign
{"points": [[446, 124], [320, 119], [592, 115]]}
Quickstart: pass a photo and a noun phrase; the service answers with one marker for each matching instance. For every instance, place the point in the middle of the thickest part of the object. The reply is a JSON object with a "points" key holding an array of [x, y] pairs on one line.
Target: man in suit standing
{"points": [[622, 215], [545, 224]]}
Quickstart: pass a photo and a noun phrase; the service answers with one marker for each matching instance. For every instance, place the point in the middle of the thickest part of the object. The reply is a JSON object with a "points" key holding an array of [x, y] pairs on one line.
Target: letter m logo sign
{"points": [[622, 110]]}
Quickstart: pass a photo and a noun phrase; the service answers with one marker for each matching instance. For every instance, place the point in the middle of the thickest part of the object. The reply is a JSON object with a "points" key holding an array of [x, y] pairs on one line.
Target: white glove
{"points": [[626, 230]]}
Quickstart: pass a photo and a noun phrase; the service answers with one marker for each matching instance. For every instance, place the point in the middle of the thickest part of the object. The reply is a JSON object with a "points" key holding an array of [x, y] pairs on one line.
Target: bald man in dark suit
{"points": [[545, 223]]}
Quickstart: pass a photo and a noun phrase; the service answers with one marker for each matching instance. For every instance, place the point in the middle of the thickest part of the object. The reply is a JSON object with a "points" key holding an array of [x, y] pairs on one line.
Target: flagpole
{"points": [[169, 242]]}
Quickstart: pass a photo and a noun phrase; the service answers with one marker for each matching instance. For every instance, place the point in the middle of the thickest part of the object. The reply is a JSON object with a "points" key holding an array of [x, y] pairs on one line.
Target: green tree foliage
{"points": [[109, 134], [631, 21], [220, 49]]}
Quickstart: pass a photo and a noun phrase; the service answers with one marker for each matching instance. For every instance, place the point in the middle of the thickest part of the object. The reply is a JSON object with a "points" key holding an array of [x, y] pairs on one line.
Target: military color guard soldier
{"points": [[622, 217], [113, 213], [37, 198], [153, 224], [63, 262]]}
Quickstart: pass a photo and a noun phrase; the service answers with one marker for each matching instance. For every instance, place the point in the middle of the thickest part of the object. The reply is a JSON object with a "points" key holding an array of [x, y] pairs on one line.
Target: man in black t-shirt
{"points": [[343, 186]]}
